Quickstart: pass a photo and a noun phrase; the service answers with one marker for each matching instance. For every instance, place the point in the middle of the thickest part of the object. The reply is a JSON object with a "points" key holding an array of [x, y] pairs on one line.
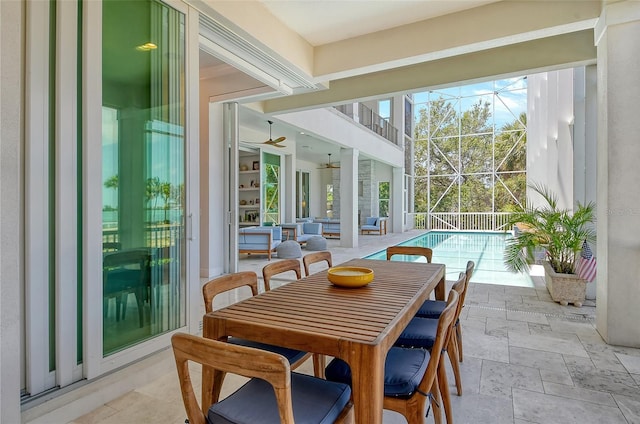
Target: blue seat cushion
{"points": [[292, 355], [403, 371], [420, 332], [314, 400], [431, 309]]}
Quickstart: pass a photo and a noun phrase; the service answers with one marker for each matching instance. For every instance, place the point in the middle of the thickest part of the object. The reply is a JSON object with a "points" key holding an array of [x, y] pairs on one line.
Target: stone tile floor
{"points": [[526, 360]]}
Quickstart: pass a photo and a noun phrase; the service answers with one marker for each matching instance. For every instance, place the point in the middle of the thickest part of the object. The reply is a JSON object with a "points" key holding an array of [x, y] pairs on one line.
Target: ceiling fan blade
{"points": [[279, 139], [273, 143]]}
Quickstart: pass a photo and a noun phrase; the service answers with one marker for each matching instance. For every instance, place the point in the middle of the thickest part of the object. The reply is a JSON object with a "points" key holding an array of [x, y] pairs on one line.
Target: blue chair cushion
{"points": [[403, 371], [292, 355], [431, 309], [315, 401], [420, 332]]}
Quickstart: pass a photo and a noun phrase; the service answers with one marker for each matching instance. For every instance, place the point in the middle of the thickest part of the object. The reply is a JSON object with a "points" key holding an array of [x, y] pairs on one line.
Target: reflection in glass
{"points": [[143, 172]]}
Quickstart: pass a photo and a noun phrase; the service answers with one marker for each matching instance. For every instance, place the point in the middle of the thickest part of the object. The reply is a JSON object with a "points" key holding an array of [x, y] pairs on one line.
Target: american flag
{"points": [[587, 263]]}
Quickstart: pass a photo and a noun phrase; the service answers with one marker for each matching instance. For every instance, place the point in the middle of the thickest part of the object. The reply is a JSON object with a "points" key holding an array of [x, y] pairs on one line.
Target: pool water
{"points": [[454, 249]]}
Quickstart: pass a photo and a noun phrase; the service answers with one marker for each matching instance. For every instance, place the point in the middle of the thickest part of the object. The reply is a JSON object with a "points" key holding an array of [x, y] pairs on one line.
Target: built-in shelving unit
{"points": [[249, 179]]}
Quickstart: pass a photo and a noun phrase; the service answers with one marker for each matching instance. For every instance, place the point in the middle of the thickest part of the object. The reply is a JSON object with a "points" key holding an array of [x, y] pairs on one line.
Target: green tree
{"points": [[152, 192], [454, 157], [166, 192], [111, 182]]}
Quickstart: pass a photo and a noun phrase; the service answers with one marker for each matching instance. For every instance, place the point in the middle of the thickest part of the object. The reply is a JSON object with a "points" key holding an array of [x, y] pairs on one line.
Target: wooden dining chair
{"points": [[433, 308], [298, 397], [280, 267], [316, 257], [426, 252], [421, 333], [411, 376], [249, 279]]}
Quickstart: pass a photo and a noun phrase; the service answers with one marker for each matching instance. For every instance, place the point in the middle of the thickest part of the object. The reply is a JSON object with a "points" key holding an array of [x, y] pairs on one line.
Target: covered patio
{"points": [[526, 359]]}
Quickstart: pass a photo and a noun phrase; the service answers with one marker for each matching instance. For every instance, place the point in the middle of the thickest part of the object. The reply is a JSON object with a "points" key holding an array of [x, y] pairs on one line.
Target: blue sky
{"points": [[508, 97]]}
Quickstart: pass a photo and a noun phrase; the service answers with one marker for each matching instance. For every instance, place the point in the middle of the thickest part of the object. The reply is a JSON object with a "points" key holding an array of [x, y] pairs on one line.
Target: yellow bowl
{"points": [[350, 276]]}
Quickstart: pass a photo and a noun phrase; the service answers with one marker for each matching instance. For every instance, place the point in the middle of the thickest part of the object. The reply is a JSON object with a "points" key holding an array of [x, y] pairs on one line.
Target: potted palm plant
{"points": [[560, 233]]}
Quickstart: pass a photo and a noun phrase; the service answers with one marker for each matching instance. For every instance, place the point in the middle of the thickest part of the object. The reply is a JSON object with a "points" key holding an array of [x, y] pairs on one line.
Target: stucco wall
{"points": [[549, 137], [11, 209]]}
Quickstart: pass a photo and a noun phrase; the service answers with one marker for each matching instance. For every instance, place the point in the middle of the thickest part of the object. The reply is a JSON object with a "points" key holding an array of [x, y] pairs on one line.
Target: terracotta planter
{"points": [[565, 288]]}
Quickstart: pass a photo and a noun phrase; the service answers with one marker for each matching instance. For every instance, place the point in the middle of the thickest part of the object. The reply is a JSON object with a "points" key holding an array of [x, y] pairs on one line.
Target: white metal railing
{"points": [[371, 120], [463, 221]]}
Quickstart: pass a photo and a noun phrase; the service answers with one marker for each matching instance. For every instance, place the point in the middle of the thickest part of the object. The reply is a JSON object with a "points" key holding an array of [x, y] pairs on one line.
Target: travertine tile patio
{"points": [[526, 360]]}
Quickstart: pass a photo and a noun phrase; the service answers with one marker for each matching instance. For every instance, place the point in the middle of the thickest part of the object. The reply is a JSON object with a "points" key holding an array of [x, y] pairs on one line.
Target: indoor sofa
{"points": [[330, 227], [301, 231], [259, 240]]}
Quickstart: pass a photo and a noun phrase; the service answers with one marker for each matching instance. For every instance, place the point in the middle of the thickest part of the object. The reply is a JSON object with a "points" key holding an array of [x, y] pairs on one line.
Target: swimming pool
{"points": [[454, 249]]}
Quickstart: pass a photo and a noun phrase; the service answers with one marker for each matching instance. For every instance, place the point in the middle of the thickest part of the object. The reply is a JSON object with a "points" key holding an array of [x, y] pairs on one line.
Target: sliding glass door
{"points": [[143, 172], [271, 188]]}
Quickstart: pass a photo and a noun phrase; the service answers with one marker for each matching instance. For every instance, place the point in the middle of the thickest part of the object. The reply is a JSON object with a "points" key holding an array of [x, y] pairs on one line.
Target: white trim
{"points": [[231, 130], [92, 192], [192, 171], [38, 377], [99, 364], [66, 229]]}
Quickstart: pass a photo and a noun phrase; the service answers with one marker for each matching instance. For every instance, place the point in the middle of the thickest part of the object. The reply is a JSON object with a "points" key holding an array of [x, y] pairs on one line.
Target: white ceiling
{"points": [[322, 22], [325, 21]]}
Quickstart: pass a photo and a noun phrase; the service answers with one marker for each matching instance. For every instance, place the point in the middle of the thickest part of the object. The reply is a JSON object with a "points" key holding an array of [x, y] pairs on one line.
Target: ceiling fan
{"points": [[271, 141], [329, 165]]}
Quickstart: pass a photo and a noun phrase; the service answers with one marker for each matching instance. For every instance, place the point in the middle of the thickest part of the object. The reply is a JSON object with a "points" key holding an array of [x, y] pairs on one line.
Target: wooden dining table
{"points": [[358, 325]]}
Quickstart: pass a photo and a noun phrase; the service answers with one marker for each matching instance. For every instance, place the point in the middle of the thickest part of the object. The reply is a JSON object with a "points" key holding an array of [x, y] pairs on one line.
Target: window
{"points": [[302, 194], [383, 198], [271, 188]]}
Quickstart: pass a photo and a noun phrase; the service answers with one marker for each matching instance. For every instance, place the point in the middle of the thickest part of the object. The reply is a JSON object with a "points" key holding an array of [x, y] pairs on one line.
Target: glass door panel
{"points": [[271, 187], [302, 192], [143, 147]]}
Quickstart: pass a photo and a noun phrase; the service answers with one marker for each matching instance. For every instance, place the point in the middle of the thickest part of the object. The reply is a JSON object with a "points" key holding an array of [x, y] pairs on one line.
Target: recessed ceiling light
{"points": [[146, 47]]}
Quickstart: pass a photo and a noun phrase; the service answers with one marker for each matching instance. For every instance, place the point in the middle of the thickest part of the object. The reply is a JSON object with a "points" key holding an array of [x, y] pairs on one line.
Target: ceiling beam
{"points": [[561, 51]]}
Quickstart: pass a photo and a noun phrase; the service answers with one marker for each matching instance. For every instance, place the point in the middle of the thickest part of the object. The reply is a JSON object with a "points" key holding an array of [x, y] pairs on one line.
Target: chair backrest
{"points": [[460, 287], [410, 250], [469, 272], [312, 258], [312, 228], [278, 268], [218, 285], [445, 323], [226, 357]]}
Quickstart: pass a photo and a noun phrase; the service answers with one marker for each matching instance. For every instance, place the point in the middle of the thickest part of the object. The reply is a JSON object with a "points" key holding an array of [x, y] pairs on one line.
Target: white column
{"points": [[11, 70], [289, 189], [349, 197], [397, 202], [584, 143], [618, 193]]}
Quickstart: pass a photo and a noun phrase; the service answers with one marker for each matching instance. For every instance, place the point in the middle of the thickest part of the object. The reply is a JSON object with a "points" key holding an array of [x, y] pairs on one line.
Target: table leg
{"points": [[367, 383], [441, 288]]}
